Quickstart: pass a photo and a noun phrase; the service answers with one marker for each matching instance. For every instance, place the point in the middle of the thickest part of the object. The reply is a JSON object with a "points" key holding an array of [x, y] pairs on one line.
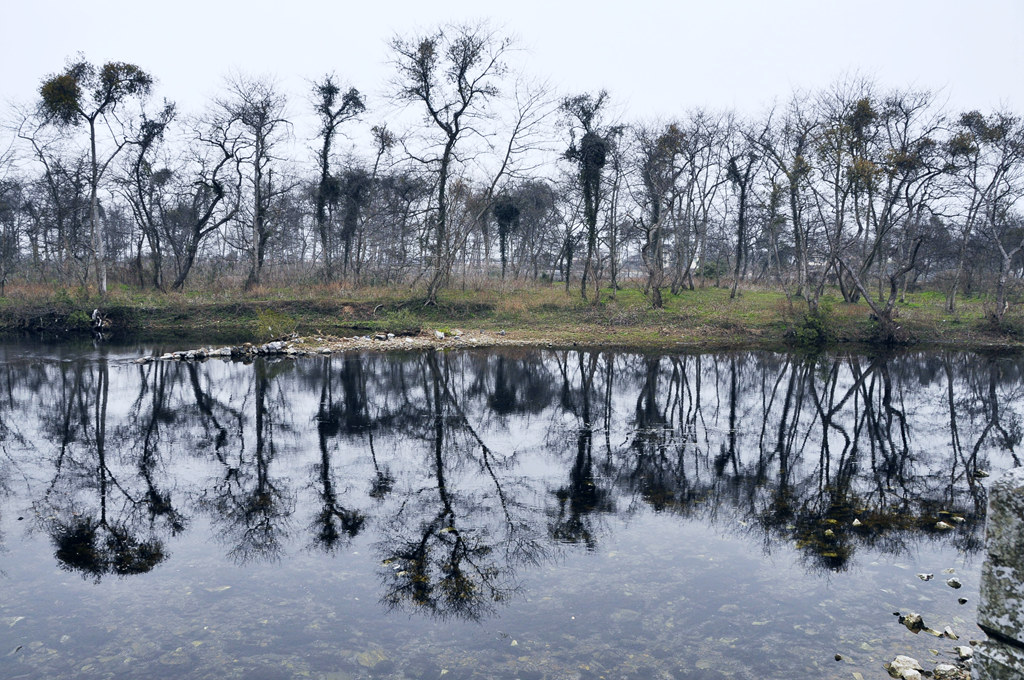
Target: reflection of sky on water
{"points": [[398, 516]]}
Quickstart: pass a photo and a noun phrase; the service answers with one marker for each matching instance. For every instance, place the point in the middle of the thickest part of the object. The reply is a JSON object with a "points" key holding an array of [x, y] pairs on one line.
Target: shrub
{"points": [[815, 327], [79, 321]]}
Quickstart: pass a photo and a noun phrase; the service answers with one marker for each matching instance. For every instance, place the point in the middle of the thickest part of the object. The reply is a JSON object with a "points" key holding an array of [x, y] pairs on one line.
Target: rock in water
{"points": [[1002, 574], [902, 665], [942, 526], [964, 652], [913, 622], [926, 577], [954, 583], [1001, 607]]}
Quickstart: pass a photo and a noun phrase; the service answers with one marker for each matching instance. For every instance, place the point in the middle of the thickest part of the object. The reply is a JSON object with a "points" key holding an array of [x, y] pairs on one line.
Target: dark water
{"points": [[492, 514]]}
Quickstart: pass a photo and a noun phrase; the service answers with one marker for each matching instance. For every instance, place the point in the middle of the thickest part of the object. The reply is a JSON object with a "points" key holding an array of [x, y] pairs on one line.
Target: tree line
{"points": [[487, 175]]}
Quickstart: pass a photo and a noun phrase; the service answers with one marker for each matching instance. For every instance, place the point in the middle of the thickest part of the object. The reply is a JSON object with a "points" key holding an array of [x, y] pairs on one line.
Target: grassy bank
{"points": [[699, 318]]}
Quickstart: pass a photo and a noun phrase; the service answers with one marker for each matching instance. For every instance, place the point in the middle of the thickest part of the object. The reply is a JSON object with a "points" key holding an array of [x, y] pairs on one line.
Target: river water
{"points": [[493, 514]]}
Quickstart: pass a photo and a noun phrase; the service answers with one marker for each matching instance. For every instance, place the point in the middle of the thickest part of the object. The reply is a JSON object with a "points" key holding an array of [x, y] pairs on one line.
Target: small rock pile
{"points": [[296, 346], [909, 668]]}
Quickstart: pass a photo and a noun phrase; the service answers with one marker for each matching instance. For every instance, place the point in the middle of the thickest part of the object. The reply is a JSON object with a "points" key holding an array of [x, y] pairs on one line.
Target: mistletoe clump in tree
{"points": [[85, 94]]}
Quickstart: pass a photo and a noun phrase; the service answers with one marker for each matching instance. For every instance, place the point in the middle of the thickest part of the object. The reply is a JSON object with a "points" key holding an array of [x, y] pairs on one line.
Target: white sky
{"points": [[657, 58]]}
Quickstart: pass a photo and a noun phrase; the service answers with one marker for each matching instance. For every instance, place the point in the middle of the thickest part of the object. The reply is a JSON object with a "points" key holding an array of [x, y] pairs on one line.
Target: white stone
{"points": [[901, 664], [965, 652]]}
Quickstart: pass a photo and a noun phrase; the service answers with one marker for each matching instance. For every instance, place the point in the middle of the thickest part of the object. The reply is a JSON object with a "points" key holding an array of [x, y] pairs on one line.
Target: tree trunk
{"points": [[98, 245]]}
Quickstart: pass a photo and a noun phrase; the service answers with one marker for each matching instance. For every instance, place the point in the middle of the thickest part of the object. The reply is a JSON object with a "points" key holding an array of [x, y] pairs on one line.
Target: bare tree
{"points": [[258, 109], [896, 159], [85, 94], [988, 156], [333, 108], [705, 134], [658, 154], [740, 171], [787, 145], [208, 198], [589, 155], [143, 185], [1005, 231], [11, 197], [452, 73], [57, 204]]}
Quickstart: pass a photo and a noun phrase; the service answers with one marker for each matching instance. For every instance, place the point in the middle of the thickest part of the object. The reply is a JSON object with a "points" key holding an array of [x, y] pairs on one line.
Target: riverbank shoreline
{"points": [[533, 316]]}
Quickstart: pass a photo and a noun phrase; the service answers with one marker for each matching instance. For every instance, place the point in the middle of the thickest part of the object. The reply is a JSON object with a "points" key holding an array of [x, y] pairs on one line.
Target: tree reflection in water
{"points": [[460, 469], [335, 524], [100, 523], [250, 508], [454, 551]]}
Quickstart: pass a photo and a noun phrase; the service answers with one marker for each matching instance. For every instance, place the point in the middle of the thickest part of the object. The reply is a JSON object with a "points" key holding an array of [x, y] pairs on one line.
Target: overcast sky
{"points": [[657, 58]]}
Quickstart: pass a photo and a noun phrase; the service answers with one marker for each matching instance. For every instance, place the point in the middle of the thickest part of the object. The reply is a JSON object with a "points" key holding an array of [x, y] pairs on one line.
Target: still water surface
{"points": [[481, 514]]}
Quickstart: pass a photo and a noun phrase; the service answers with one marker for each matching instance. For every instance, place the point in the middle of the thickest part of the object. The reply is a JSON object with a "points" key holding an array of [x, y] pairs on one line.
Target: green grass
{"points": [[704, 317]]}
